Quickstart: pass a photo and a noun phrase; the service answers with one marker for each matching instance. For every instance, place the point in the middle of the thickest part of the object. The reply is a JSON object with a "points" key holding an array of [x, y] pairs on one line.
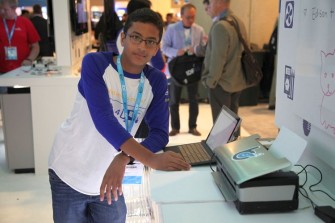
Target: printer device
{"points": [[253, 178]]}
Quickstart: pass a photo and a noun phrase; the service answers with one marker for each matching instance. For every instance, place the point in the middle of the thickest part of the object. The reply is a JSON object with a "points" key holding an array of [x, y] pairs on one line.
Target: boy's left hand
{"points": [[112, 181]]}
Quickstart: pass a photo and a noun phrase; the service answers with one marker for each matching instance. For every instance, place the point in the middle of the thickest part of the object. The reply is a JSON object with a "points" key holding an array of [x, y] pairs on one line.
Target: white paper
{"points": [[288, 145]]}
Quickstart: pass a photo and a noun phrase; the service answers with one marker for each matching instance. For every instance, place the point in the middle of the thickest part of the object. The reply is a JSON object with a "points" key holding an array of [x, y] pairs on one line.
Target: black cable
{"points": [[306, 196], [301, 187], [315, 184], [212, 161]]}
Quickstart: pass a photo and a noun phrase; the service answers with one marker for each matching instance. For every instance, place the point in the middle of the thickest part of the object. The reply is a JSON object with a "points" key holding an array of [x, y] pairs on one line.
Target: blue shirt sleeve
{"points": [[94, 90], [157, 115], [157, 61]]}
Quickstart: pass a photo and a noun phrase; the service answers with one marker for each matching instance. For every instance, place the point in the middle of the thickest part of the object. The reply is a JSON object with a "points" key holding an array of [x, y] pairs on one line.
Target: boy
{"points": [[86, 170]]}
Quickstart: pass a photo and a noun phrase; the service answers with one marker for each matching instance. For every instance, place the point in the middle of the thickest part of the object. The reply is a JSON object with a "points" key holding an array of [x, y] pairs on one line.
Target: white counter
{"points": [[52, 97], [193, 196]]}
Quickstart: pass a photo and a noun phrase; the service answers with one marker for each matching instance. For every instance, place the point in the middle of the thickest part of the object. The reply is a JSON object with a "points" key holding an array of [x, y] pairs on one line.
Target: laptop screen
{"points": [[222, 132]]}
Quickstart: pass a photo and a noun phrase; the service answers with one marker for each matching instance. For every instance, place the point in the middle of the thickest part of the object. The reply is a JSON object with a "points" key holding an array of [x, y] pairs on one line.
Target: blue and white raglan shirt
{"points": [[91, 136]]}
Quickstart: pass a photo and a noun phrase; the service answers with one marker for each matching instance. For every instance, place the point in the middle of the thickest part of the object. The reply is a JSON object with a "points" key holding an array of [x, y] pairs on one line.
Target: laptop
{"points": [[222, 132]]}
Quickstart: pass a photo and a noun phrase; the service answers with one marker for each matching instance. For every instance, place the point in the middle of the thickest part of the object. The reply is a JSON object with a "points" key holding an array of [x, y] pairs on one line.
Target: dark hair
{"points": [[37, 9], [137, 4], [145, 15], [24, 11], [205, 2]]}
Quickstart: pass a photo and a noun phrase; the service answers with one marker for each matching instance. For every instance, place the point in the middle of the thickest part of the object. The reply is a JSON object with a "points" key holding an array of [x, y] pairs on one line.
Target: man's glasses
{"points": [[136, 39]]}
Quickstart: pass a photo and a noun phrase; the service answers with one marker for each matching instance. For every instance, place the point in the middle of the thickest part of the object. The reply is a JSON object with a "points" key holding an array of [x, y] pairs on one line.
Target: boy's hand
{"points": [[112, 181], [169, 161]]}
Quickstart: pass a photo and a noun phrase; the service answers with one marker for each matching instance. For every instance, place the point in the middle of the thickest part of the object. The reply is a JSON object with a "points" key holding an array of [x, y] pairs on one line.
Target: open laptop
{"points": [[222, 132]]}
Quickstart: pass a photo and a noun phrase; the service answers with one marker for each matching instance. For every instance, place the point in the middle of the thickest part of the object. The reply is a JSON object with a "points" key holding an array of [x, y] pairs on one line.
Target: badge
{"points": [[11, 53]]}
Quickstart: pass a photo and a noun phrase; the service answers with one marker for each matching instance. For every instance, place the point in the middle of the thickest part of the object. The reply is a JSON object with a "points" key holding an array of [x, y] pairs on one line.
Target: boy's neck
{"points": [[127, 67]]}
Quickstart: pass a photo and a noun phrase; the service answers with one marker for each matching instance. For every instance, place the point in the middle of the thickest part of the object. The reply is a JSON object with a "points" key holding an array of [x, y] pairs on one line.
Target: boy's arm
{"points": [[112, 181]]}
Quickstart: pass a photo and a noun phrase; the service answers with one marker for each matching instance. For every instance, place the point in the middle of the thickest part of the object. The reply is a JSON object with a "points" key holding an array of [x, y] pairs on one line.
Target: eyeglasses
{"points": [[136, 39]]}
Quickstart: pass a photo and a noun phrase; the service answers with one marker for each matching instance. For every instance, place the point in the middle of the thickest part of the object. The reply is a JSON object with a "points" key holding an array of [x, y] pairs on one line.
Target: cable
{"points": [[212, 161], [306, 196], [312, 185]]}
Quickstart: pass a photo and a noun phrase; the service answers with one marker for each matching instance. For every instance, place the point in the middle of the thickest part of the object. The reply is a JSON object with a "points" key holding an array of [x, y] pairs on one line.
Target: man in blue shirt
{"points": [[181, 38]]}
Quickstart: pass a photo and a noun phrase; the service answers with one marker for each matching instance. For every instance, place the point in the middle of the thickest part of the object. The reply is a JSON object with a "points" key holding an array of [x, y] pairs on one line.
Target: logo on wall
{"points": [[289, 82], [289, 13], [246, 154], [307, 126]]}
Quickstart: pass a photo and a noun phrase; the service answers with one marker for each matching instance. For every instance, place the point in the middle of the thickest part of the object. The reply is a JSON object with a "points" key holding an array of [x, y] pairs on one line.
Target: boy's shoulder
{"points": [[153, 73], [101, 58], [100, 55]]}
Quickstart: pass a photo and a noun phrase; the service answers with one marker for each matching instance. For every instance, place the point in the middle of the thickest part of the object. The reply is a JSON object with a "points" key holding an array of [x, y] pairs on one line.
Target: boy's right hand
{"points": [[169, 161]]}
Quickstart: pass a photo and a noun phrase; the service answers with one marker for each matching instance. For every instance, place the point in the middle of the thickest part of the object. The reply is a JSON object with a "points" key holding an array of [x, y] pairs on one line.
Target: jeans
{"points": [[175, 95], [71, 206]]}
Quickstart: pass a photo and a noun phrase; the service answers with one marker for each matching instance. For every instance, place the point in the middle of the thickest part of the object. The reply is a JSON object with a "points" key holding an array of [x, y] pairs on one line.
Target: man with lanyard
{"points": [[180, 38], [18, 38]]}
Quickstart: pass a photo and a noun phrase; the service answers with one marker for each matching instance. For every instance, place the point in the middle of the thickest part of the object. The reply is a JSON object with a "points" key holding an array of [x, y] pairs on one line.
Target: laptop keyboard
{"points": [[194, 153]]}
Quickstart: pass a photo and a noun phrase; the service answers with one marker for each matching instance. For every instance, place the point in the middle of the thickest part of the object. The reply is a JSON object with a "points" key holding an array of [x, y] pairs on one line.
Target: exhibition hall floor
{"points": [[27, 198]]}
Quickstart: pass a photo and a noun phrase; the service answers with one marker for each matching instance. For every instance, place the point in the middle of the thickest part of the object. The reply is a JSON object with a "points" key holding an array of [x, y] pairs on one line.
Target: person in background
{"points": [[107, 36], [18, 39], [168, 19], [25, 13], [124, 18], [222, 70], [108, 28], [93, 146], [41, 25], [209, 12], [178, 40], [200, 49], [273, 49]]}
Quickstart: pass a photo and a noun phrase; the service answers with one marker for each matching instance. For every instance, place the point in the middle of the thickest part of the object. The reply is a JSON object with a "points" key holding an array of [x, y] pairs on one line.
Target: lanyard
{"points": [[11, 33], [124, 96], [188, 39]]}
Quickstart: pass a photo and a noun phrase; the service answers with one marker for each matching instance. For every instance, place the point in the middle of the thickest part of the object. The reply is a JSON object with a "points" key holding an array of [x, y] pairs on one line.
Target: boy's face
{"points": [[140, 44]]}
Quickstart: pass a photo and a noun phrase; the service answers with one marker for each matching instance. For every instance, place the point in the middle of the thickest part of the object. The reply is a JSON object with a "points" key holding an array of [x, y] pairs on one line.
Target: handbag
{"points": [[186, 69], [252, 72]]}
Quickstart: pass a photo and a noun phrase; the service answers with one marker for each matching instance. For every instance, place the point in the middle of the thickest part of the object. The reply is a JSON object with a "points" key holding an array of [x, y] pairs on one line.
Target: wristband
{"points": [[131, 161]]}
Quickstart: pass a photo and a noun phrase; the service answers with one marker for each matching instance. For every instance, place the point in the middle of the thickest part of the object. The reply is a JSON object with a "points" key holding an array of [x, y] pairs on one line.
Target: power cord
{"points": [[326, 213], [315, 184], [212, 161]]}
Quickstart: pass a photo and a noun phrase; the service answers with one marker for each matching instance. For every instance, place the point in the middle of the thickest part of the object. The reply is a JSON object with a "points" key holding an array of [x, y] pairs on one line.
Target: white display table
{"points": [[52, 97], [192, 196]]}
